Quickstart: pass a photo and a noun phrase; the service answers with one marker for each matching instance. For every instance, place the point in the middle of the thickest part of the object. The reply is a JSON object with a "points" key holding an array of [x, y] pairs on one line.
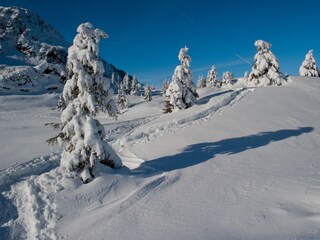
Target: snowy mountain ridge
{"points": [[33, 54], [22, 34]]}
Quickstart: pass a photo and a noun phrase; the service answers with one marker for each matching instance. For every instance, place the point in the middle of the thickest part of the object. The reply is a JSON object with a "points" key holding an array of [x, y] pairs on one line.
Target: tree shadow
{"points": [[201, 152]]}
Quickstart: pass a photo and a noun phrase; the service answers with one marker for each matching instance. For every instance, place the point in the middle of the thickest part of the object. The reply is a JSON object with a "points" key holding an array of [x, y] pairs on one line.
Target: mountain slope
{"points": [[22, 33], [240, 164], [33, 54]]}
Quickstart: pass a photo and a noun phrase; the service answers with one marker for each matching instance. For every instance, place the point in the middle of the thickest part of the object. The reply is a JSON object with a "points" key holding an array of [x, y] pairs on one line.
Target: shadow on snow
{"points": [[190, 156], [201, 152]]}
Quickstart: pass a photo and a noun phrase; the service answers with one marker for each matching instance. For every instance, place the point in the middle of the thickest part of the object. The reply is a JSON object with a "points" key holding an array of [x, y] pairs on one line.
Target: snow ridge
{"points": [[140, 192], [212, 107]]}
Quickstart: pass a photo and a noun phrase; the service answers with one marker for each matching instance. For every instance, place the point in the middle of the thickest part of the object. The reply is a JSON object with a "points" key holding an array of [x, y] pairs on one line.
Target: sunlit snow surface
{"points": [[243, 163]]}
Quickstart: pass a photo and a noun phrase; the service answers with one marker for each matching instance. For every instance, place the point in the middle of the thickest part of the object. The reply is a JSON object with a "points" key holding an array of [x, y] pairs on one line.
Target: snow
{"points": [[212, 78], [266, 68], [23, 132], [309, 66], [226, 78], [33, 54], [182, 91], [242, 163], [86, 92]]}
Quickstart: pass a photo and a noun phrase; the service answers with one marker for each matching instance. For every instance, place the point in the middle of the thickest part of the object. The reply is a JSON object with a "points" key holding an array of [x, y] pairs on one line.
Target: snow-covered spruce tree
{"points": [[167, 107], [226, 78], [201, 82], [126, 84], [266, 68], [121, 98], [147, 93], [181, 92], [212, 78], [165, 86], [245, 77], [61, 105], [113, 78], [134, 86], [309, 66], [86, 92]]}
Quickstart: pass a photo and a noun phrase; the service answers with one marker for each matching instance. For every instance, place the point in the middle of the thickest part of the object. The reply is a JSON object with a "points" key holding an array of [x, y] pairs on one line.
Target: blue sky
{"points": [[146, 35]]}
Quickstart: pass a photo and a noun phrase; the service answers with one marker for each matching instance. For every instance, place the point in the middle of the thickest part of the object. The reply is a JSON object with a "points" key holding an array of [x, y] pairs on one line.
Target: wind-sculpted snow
{"points": [[119, 129], [206, 109]]}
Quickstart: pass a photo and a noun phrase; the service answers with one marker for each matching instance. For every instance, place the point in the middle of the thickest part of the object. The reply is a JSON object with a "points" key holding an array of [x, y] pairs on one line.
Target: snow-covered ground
{"points": [[243, 163]]}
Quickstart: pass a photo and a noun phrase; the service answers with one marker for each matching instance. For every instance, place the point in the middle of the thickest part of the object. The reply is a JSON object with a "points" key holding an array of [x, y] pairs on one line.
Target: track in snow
{"points": [[155, 128], [8, 178], [33, 195]]}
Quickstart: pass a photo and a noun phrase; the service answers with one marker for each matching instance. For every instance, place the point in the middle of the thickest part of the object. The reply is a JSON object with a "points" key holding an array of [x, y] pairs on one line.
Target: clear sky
{"points": [[146, 35]]}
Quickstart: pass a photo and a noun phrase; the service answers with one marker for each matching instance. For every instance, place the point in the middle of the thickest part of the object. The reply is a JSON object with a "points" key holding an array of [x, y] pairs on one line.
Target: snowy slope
{"points": [[241, 164], [23, 33], [33, 54]]}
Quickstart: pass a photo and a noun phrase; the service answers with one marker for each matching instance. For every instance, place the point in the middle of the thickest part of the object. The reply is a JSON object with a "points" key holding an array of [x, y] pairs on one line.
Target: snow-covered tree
{"points": [[147, 93], [212, 78], [165, 86], [266, 68], [226, 78], [167, 107], [309, 66], [121, 98], [201, 82], [113, 78], [126, 84], [61, 105], [182, 90], [86, 92], [134, 86], [245, 76]]}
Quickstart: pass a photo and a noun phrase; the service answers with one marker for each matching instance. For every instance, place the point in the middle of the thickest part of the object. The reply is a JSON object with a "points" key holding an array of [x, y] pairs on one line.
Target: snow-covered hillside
{"points": [[23, 33], [242, 163], [33, 54]]}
